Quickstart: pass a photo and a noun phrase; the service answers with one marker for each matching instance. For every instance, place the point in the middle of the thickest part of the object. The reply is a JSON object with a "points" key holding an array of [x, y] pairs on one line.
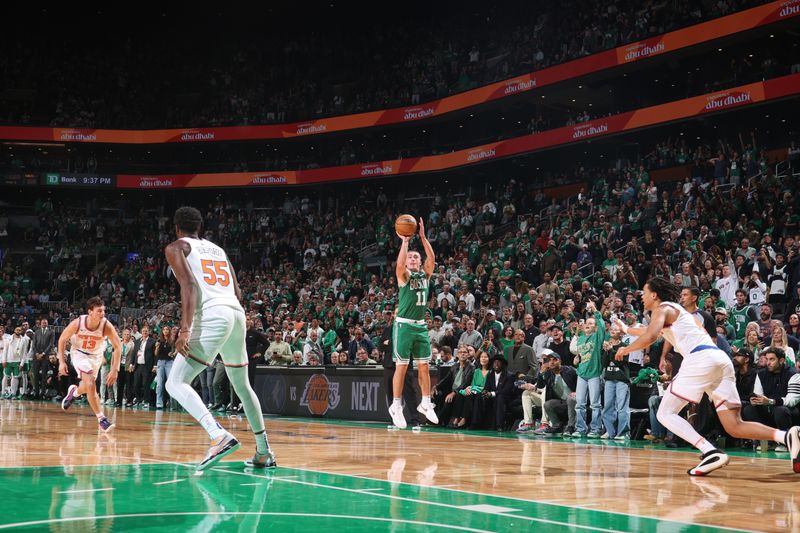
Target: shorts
{"points": [[707, 371], [86, 363], [218, 330], [410, 341], [11, 369]]}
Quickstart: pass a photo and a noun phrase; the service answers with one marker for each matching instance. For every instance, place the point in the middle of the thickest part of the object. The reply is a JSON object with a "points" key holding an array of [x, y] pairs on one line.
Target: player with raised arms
{"points": [[705, 369], [410, 331], [87, 335], [212, 322]]}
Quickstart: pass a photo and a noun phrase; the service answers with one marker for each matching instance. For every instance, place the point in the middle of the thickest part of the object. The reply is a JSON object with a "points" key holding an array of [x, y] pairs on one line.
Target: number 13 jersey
{"points": [[212, 271]]}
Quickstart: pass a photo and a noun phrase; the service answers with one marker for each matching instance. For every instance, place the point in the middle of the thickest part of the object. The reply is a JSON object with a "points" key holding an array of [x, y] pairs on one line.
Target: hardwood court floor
{"points": [[57, 473]]}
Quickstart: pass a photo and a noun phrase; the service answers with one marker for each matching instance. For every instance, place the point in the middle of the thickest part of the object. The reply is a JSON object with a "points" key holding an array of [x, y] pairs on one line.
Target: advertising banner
{"points": [[669, 42], [690, 107], [350, 393]]}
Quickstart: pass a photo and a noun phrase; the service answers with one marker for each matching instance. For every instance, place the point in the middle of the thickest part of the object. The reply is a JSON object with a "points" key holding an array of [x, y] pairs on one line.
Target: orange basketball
{"points": [[405, 225]]}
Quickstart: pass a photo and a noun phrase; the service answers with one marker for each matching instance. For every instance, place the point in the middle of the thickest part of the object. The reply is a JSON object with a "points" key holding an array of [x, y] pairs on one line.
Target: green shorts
{"points": [[410, 341], [11, 369]]}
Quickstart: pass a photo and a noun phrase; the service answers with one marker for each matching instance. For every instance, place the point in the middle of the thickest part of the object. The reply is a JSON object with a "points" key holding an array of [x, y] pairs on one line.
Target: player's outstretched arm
{"points": [[68, 332], [648, 337], [176, 257], [430, 257]]}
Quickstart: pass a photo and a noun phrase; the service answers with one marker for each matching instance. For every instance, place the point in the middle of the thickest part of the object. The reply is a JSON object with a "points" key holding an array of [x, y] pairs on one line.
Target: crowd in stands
{"points": [[130, 83], [522, 281], [380, 145]]}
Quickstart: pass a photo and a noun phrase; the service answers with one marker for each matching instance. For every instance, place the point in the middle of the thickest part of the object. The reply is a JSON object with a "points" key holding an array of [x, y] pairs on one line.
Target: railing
{"points": [[368, 250], [580, 269], [58, 305], [75, 297], [779, 165], [134, 312]]}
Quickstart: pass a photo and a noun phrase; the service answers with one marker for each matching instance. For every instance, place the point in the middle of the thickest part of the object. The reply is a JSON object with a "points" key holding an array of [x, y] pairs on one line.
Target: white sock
{"points": [[212, 427], [426, 400], [704, 446], [100, 415], [397, 403], [779, 437], [14, 386], [262, 445]]}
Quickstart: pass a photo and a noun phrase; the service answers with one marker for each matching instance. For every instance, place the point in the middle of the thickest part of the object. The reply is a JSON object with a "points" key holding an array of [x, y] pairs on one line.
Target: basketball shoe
{"points": [[219, 448], [709, 462], [72, 395]]}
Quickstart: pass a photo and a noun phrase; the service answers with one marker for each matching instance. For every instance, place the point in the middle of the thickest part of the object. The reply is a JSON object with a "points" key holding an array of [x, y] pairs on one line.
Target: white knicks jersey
{"points": [[89, 342], [685, 334], [212, 271]]}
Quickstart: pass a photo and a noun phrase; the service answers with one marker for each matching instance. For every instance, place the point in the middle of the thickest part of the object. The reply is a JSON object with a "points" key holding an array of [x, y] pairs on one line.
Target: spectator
{"points": [[279, 351], [362, 357], [471, 336], [776, 394], [463, 409], [588, 359], [448, 398], [616, 396], [143, 363], [43, 343], [165, 355], [560, 382], [359, 341]]}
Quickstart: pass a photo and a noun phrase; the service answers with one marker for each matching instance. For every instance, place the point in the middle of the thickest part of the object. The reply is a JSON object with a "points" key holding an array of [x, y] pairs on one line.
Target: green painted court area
{"points": [[169, 497]]}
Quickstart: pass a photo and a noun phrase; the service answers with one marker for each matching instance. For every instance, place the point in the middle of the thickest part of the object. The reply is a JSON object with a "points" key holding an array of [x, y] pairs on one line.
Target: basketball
{"points": [[405, 225]]}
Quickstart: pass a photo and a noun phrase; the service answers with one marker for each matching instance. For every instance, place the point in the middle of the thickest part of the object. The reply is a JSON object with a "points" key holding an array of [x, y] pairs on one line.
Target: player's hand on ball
{"points": [[404, 238]]}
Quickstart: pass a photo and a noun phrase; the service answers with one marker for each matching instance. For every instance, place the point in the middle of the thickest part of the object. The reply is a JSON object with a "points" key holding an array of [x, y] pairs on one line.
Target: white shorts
{"points": [[707, 371], [85, 363], [218, 330]]}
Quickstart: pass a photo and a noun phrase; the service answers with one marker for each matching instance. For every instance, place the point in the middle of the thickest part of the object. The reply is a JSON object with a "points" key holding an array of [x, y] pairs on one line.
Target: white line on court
{"points": [[75, 491], [671, 520], [413, 500], [170, 481], [243, 513]]}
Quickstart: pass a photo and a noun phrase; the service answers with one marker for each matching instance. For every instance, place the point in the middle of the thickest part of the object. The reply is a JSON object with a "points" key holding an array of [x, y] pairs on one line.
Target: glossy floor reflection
{"points": [[59, 474]]}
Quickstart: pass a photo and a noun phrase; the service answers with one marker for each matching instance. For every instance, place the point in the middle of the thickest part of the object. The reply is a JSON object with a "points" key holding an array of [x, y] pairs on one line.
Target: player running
{"points": [[705, 369], [87, 335]]}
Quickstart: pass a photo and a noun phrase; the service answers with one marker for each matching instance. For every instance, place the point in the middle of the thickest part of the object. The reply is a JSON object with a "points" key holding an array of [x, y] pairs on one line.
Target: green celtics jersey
{"points": [[739, 321], [413, 297]]}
